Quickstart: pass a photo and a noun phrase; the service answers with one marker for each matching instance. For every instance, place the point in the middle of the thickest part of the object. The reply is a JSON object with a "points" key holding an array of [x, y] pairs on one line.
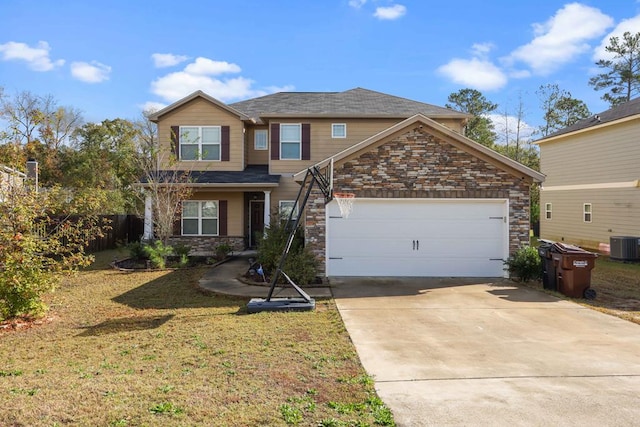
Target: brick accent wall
{"points": [[206, 245], [417, 164]]}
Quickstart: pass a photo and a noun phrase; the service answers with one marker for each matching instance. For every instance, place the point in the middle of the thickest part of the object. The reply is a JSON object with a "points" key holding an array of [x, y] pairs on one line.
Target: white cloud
{"points": [[151, 106], [37, 58], [357, 4], [481, 49], [93, 72], [560, 39], [390, 13], [507, 127], [204, 74], [631, 25], [162, 60], [475, 73], [205, 66]]}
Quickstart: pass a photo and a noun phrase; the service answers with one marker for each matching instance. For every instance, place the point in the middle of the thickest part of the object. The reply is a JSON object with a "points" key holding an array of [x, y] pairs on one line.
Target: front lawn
{"points": [[146, 348]]}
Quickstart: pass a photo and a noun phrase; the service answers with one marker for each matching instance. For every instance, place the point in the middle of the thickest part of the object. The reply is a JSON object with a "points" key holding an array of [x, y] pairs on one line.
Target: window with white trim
{"points": [[285, 208], [290, 141], [200, 218], [587, 212], [339, 130], [547, 210], [200, 142], [260, 137]]}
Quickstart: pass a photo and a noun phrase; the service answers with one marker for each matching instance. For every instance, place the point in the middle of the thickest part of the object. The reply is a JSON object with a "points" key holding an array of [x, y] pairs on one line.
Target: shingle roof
{"points": [[355, 102], [621, 111], [251, 175]]}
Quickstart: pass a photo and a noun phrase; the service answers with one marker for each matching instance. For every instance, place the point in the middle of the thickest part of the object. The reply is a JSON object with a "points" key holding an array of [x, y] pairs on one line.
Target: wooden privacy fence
{"points": [[120, 230]]}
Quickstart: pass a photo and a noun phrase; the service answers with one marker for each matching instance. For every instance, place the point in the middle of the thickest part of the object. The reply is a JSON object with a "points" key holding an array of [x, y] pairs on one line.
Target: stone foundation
{"points": [[206, 245]]}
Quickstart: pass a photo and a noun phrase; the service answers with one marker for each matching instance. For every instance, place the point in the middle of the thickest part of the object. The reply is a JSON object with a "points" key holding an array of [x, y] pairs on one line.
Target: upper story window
{"points": [[200, 142], [260, 139], [587, 212], [290, 141], [339, 130], [200, 218], [547, 210]]}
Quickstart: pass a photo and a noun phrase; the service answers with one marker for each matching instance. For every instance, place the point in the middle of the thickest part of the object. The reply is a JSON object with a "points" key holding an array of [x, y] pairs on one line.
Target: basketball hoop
{"points": [[345, 203]]}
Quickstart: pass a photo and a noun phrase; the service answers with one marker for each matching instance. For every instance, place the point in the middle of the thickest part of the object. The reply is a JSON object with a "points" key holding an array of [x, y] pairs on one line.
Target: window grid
{"points": [[260, 138], [587, 212], [547, 210], [200, 218], [200, 142], [290, 141], [339, 130]]}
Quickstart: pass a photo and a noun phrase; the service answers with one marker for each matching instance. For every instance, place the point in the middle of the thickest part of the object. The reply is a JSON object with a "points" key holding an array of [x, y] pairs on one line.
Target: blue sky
{"points": [[111, 59]]}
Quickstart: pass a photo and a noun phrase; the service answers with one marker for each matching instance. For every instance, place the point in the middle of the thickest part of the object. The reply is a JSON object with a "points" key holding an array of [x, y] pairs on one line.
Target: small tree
{"points": [[162, 182], [622, 80], [479, 128], [38, 242]]}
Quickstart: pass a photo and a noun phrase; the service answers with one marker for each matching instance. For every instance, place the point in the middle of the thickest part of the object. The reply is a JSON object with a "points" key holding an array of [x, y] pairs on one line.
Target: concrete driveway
{"points": [[477, 352]]}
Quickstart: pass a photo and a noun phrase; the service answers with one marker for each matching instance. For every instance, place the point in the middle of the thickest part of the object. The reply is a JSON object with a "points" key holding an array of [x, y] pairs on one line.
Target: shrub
{"points": [[525, 264], [222, 250], [158, 253], [301, 265], [136, 250]]}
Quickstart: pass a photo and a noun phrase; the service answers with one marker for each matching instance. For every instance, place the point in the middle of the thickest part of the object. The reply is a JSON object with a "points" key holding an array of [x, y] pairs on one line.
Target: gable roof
{"points": [[605, 118], [356, 102], [469, 145], [154, 117]]}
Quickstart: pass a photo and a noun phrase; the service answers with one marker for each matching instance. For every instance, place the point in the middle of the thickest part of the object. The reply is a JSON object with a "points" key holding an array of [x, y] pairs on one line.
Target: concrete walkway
{"points": [[223, 279], [458, 352]]}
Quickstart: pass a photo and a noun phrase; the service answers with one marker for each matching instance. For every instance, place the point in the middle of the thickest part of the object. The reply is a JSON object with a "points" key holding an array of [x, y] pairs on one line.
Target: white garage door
{"points": [[418, 237]]}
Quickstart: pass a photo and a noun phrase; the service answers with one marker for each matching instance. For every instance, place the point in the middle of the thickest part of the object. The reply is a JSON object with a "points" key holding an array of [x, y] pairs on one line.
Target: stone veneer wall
{"points": [[206, 245], [419, 165]]}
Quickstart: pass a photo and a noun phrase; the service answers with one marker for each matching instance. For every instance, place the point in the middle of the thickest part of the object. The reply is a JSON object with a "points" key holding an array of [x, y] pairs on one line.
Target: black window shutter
{"points": [[224, 148], [275, 141], [222, 218], [175, 140], [306, 141], [177, 226]]}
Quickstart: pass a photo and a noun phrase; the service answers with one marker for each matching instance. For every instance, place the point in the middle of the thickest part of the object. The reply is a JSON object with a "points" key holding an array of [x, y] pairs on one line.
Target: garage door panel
{"points": [[418, 237], [392, 266]]}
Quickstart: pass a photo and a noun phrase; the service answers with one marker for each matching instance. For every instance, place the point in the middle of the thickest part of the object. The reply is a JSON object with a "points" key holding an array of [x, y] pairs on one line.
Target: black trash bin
{"points": [[548, 267]]}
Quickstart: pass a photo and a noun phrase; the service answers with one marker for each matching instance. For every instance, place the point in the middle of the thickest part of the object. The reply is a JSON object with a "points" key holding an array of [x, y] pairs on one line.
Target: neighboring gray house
{"points": [[592, 186]]}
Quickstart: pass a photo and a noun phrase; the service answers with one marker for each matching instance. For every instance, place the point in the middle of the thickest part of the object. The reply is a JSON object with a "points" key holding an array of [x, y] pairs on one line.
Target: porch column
{"points": [[267, 207], [148, 218]]}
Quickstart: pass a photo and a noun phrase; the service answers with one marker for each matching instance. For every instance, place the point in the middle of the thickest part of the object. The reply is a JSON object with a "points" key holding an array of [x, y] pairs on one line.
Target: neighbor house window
{"points": [[200, 142], [290, 141], [200, 218], [260, 139], [587, 212], [338, 130], [286, 206], [547, 210]]}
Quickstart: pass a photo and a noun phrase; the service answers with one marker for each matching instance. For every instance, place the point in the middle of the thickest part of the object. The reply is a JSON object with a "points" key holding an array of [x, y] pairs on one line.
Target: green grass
{"points": [[147, 348]]}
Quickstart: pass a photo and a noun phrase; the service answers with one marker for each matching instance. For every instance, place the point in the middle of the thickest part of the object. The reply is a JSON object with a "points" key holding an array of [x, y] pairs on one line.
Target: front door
{"points": [[256, 221]]}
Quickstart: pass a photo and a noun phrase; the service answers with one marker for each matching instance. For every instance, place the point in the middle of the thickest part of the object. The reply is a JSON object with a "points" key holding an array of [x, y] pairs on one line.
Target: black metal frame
{"points": [[313, 176]]}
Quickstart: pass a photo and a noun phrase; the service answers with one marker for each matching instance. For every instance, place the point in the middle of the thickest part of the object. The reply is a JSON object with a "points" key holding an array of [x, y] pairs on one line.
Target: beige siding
{"points": [[287, 190], [323, 146], [609, 154], [200, 112], [615, 212], [235, 208], [256, 157]]}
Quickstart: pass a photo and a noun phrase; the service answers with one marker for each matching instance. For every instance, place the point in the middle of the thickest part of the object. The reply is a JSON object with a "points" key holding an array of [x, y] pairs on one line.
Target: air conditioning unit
{"points": [[625, 248]]}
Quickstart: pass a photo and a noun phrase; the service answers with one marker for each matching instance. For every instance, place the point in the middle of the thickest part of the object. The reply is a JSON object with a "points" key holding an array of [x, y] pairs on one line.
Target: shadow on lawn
{"points": [[177, 289], [125, 324]]}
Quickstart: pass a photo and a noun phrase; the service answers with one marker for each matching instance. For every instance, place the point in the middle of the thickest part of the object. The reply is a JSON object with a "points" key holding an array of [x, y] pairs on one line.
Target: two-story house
{"points": [[592, 187], [429, 201]]}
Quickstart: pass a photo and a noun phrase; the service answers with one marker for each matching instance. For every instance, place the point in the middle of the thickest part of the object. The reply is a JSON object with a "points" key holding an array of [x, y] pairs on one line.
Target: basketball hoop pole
{"points": [[313, 176]]}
